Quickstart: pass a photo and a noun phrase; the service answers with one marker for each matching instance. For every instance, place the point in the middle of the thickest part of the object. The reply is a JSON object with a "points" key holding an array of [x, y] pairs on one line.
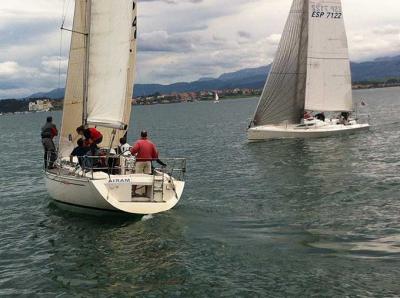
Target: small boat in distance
{"points": [[310, 73], [216, 97], [99, 94]]}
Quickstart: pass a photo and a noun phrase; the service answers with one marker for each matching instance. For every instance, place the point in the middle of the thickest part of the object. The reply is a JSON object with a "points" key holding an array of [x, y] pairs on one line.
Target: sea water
{"points": [[283, 218]]}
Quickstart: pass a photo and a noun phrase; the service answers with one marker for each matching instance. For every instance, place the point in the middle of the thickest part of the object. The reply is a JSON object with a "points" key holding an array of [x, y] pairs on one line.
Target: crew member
{"points": [[124, 146], [93, 137], [344, 118], [307, 116], [145, 152], [79, 152], [49, 132]]}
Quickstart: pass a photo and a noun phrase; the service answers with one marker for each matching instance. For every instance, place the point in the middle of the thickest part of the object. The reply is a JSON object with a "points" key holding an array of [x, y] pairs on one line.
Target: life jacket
{"points": [[49, 131]]}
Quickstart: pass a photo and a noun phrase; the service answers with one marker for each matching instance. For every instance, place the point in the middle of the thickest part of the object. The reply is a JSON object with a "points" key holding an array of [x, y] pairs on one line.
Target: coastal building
{"points": [[41, 105]]}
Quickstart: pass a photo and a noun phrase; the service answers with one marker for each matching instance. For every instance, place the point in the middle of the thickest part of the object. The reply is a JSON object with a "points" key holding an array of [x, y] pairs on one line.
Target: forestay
{"points": [[112, 30], [283, 97], [328, 66]]}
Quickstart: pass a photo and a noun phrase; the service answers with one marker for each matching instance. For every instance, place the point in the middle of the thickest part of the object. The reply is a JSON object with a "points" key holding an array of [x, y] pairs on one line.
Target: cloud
{"points": [[178, 40]]}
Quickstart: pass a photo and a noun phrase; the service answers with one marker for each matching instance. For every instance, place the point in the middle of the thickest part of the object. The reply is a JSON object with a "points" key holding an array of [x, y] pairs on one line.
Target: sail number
{"points": [[134, 23], [328, 15], [326, 11]]}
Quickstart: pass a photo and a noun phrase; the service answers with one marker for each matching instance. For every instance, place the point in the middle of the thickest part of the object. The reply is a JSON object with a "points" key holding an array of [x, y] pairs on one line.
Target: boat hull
{"points": [[293, 131], [98, 195]]}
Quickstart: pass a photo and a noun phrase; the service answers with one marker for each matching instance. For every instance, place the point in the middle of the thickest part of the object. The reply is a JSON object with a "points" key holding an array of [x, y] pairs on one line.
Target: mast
{"points": [[86, 69], [302, 63]]}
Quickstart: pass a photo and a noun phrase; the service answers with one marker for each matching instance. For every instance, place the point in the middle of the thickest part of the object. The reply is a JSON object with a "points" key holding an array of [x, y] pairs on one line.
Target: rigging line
{"points": [[63, 15], [59, 59]]}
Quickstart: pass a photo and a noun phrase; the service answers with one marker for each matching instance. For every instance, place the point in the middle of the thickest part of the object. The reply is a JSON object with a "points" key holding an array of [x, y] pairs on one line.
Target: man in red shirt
{"points": [[93, 137], [145, 152]]}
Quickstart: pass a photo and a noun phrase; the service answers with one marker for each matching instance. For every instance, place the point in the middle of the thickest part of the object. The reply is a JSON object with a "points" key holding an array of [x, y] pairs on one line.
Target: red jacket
{"points": [[54, 132], [145, 150], [95, 134]]}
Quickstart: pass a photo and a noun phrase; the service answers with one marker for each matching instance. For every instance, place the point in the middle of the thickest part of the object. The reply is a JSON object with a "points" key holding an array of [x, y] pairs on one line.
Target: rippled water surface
{"points": [[284, 218]]}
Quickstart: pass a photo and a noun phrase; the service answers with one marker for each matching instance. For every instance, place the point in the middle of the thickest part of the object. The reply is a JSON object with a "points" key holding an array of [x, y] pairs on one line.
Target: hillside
{"points": [[379, 69]]}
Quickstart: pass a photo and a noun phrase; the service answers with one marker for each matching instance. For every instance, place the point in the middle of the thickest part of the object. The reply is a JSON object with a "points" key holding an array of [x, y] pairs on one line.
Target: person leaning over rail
{"points": [[93, 137], [49, 132]]}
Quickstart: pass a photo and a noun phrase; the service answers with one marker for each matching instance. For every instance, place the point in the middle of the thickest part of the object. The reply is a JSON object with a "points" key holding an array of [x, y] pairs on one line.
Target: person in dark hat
{"points": [[49, 132]]}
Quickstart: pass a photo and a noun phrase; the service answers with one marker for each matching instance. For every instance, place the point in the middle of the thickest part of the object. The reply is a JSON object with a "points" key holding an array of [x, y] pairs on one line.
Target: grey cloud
{"points": [[244, 34]]}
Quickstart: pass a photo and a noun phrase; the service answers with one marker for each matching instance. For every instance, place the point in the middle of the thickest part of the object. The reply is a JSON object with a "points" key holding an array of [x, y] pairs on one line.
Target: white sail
{"points": [[74, 111], [328, 67], [283, 97], [74, 92], [311, 70], [112, 30], [216, 96]]}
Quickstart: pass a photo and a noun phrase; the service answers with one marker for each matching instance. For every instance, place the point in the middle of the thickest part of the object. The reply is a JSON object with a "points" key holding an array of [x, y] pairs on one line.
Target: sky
{"points": [[178, 40]]}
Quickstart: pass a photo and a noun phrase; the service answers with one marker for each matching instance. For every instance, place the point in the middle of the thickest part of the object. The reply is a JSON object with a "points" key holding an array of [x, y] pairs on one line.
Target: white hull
{"points": [[295, 131], [100, 194]]}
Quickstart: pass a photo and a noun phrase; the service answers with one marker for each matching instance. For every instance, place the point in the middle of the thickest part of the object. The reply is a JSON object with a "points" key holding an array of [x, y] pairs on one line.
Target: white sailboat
{"points": [[310, 73], [98, 94], [216, 97]]}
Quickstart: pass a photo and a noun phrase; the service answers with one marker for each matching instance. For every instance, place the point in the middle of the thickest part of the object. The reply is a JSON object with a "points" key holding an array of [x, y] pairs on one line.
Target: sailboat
{"points": [[310, 73], [216, 97], [98, 94]]}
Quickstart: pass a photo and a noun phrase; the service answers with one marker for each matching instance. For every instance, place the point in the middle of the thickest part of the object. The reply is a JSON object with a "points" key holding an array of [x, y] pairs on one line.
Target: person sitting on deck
{"points": [[93, 137], [344, 118], [321, 117], [307, 116], [145, 152], [79, 152]]}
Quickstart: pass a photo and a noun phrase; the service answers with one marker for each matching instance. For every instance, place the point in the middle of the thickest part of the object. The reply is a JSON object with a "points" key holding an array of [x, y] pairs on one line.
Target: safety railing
{"points": [[113, 165]]}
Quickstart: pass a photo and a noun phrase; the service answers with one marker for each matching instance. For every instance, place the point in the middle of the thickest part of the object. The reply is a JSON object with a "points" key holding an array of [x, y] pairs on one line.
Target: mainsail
{"points": [[311, 70], [101, 70], [280, 100]]}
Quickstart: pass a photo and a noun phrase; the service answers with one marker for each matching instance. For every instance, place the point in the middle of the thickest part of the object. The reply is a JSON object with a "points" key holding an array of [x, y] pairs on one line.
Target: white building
{"points": [[40, 106]]}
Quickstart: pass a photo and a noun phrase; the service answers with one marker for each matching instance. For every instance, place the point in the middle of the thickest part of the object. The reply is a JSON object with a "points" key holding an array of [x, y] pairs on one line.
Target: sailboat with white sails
{"points": [[216, 97], [99, 94], [310, 73]]}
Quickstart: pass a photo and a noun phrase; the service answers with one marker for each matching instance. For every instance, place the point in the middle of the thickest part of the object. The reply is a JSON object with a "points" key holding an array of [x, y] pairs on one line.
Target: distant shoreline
{"points": [[18, 106]]}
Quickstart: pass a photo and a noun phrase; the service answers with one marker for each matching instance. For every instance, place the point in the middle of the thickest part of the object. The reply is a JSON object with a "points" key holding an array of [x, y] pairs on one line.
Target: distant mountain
{"points": [[379, 69], [53, 94], [245, 78]]}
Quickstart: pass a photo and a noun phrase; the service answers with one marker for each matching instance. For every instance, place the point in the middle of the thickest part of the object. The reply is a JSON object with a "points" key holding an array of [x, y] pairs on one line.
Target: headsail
{"points": [[74, 92], [110, 74], [328, 66], [282, 99]]}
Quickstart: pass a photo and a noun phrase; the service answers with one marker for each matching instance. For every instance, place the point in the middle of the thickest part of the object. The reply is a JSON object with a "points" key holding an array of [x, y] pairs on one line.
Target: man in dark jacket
{"points": [[49, 131]]}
